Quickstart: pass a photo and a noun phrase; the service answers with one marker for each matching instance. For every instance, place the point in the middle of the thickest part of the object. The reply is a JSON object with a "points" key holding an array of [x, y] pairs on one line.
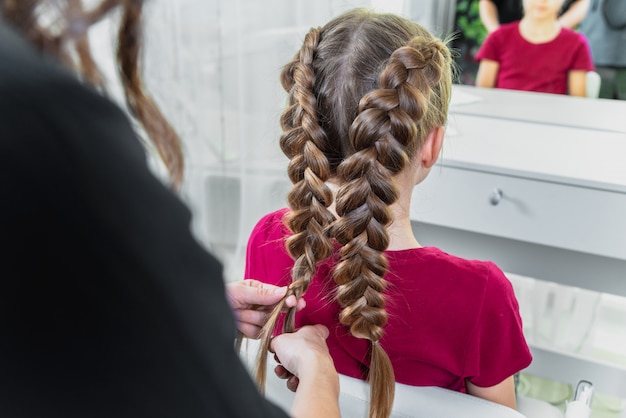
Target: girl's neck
{"points": [[401, 235], [539, 31]]}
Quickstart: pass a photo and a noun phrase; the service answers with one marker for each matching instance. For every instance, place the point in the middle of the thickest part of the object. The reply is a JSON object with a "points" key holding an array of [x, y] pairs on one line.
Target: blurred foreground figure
{"points": [[108, 306]]}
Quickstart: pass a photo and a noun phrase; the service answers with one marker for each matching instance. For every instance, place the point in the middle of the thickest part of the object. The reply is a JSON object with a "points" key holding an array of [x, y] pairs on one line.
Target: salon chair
{"points": [[410, 401]]}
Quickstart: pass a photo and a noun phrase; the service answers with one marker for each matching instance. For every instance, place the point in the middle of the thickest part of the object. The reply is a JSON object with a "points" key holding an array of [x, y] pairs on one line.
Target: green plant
{"points": [[468, 21]]}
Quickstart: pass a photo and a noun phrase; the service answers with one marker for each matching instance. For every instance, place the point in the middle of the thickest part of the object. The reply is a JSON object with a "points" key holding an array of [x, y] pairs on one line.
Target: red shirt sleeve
{"points": [[498, 349], [267, 259], [490, 49], [582, 59]]}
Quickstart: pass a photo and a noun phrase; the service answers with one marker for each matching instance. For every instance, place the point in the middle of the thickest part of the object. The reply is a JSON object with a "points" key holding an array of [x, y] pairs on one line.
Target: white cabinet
{"points": [[542, 212], [536, 183]]}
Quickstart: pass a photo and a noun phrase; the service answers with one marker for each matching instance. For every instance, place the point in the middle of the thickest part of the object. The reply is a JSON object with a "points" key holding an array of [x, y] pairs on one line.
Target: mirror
{"points": [[602, 22]]}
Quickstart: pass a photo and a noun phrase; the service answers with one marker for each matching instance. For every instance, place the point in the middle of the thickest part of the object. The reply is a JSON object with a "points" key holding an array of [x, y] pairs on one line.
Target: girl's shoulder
{"points": [[271, 226], [434, 259], [507, 30], [571, 36], [506, 35]]}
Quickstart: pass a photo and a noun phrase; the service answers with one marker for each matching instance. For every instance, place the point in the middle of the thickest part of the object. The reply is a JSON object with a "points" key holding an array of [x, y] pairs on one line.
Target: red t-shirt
{"points": [[450, 319], [535, 67]]}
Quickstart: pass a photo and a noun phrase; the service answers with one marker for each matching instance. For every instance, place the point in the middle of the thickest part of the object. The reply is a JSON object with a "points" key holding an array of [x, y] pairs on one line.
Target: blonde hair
{"points": [[364, 92]]}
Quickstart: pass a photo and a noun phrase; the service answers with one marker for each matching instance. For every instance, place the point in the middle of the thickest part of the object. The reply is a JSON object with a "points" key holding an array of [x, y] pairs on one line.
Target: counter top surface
{"points": [[541, 108], [528, 146]]}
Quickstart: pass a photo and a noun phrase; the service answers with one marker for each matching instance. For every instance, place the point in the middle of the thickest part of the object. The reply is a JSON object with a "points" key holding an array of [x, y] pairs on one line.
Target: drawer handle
{"points": [[496, 196]]}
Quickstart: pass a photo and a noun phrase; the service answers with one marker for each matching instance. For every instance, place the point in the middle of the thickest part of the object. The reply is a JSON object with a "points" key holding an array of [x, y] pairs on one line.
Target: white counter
{"points": [[584, 157], [541, 108]]}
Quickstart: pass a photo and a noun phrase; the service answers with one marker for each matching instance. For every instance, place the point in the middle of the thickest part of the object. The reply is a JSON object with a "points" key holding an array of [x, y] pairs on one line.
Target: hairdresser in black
{"points": [[108, 306]]}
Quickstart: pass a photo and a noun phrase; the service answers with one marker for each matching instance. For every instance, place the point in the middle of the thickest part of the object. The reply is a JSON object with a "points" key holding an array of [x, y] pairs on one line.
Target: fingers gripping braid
{"points": [[266, 334]]}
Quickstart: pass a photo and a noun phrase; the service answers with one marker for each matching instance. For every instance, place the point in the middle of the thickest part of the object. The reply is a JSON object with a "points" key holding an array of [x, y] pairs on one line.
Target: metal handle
{"points": [[496, 196]]}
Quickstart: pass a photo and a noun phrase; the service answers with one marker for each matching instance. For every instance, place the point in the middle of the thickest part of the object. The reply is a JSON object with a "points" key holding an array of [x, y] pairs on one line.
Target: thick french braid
{"points": [[382, 137], [305, 143]]}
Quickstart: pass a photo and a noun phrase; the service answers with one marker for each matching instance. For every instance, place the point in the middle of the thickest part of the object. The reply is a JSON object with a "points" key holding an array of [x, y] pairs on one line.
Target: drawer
{"points": [[558, 215]]}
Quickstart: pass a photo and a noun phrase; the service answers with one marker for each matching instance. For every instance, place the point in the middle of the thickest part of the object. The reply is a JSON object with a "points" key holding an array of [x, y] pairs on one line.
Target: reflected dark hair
{"points": [[364, 91], [66, 38]]}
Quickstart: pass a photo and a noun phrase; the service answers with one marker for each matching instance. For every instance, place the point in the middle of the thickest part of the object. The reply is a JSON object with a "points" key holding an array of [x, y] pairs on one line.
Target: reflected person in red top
{"points": [[535, 54]]}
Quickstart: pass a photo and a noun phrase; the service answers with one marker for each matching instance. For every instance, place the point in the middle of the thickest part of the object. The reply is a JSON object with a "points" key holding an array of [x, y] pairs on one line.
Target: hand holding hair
{"points": [[252, 301], [301, 354]]}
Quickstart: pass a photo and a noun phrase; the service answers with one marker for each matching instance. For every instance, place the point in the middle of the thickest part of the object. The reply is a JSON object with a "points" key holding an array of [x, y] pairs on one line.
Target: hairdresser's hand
{"points": [[303, 355], [252, 301]]}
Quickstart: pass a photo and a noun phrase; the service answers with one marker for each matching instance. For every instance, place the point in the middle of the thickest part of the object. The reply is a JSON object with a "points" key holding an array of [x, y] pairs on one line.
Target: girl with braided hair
{"points": [[367, 106]]}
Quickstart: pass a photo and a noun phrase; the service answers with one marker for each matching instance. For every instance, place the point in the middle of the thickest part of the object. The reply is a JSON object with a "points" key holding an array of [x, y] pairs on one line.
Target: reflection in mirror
{"points": [[601, 22]]}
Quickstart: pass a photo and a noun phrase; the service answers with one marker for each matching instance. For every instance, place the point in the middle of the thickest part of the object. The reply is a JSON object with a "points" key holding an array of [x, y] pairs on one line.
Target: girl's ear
{"points": [[431, 148]]}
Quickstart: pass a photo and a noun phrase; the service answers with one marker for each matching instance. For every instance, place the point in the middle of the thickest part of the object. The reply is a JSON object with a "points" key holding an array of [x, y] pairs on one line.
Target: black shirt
{"points": [[108, 306]]}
